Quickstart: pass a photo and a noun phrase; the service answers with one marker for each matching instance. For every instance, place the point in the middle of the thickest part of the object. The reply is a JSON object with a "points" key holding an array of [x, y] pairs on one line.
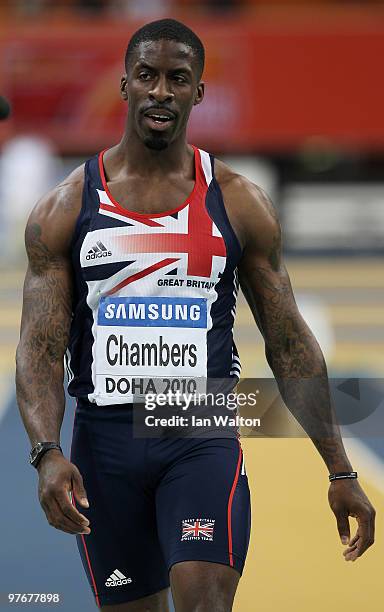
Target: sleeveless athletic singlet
{"points": [[155, 295]]}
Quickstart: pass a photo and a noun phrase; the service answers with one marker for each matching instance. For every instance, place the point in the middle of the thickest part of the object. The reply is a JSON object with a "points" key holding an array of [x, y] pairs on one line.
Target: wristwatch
{"points": [[40, 449]]}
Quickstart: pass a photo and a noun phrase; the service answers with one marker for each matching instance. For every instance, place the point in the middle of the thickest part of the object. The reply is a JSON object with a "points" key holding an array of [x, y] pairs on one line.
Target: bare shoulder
{"points": [[52, 221], [249, 208], [70, 189], [65, 197]]}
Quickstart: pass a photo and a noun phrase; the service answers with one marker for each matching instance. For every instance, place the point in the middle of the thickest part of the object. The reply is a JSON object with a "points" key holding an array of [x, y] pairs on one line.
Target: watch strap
{"points": [[39, 450]]}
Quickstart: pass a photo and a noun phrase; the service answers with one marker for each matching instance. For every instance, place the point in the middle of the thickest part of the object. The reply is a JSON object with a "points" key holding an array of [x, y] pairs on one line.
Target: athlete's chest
{"points": [[151, 196], [177, 251], [182, 252]]}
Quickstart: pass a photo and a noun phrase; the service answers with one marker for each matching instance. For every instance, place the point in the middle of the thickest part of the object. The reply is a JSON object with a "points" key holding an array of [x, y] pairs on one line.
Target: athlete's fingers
{"points": [[343, 526], [364, 537], [70, 511], [366, 531], [350, 547], [78, 488], [355, 538], [350, 553], [57, 519], [347, 552]]}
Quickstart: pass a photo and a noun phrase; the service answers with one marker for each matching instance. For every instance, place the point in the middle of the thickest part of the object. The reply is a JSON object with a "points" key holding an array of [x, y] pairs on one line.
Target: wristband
{"points": [[39, 451], [341, 475]]}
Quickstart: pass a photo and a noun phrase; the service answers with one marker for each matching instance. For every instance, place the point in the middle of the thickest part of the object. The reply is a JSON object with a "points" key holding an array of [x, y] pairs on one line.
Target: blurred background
{"points": [[294, 100]]}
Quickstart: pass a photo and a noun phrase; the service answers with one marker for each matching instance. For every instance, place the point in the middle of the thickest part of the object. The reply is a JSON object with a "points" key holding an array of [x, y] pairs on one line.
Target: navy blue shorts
{"points": [[155, 502]]}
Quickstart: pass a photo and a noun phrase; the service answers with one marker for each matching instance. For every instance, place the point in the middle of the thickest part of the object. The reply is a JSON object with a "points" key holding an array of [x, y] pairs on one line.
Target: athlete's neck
{"points": [[136, 158]]}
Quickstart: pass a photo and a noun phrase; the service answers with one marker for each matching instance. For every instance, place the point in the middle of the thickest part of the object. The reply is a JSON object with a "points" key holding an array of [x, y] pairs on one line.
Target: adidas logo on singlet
{"points": [[117, 578], [98, 250]]}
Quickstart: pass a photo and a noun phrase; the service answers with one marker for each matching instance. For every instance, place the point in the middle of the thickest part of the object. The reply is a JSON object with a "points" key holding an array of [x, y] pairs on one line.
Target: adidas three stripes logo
{"points": [[117, 578], [98, 250]]}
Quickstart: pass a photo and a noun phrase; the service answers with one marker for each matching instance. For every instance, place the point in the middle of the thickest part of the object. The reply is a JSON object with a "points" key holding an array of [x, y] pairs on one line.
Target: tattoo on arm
{"points": [[39, 255], [274, 254], [47, 308]]}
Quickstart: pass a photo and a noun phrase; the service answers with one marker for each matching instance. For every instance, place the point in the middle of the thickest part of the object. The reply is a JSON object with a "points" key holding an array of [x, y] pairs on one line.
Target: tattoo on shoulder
{"points": [[40, 257]]}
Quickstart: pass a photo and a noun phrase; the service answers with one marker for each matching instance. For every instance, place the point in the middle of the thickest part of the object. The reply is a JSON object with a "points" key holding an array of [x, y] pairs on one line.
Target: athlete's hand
{"points": [[347, 498], [58, 478]]}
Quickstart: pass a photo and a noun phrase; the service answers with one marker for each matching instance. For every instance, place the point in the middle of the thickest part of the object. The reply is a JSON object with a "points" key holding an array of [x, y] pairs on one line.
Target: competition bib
{"points": [[149, 345]]}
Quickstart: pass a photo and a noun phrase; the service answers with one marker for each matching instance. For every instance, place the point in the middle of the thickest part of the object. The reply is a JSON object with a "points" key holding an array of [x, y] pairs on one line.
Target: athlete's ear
{"points": [[123, 87], [199, 94]]}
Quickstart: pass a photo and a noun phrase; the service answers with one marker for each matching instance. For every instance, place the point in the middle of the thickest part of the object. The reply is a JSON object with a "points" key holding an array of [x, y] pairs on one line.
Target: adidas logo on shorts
{"points": [[98, 250], [117, 579]]}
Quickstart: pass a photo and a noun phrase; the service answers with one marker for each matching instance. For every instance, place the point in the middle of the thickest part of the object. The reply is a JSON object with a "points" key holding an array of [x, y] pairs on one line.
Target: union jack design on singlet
{"points": [[155, 294]]}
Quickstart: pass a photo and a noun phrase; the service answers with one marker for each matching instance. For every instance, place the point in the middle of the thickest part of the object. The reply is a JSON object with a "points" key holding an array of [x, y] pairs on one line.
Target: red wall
{"points": [[274, 82]]}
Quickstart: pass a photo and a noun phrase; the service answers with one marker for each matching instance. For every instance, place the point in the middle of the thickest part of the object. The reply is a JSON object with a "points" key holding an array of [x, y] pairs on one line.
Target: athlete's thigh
{"points": [[203, 506], [203, 586], [121, 556], [158, 602]]}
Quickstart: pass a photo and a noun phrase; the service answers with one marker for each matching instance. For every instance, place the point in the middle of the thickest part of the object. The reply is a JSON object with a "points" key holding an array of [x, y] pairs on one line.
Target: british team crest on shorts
{"points": [[197, 529]]}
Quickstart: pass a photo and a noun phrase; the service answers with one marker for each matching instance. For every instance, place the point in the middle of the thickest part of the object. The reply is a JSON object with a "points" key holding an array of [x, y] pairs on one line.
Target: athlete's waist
{"points": [[196, 406], [93, 410]]}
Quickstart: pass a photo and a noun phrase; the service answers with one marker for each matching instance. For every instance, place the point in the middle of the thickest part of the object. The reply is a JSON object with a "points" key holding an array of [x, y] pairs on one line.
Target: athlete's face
{"points": [[161, 87]]}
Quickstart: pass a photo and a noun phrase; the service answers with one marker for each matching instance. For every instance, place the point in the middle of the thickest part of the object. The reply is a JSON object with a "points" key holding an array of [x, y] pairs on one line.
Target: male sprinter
{"points": [[133, 263]]}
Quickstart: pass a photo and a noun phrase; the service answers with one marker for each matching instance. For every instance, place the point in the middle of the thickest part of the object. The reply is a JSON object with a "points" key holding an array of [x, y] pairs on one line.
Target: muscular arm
{"points": [[44, 334], [47, 308], [292, 350], [45, 324]]}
